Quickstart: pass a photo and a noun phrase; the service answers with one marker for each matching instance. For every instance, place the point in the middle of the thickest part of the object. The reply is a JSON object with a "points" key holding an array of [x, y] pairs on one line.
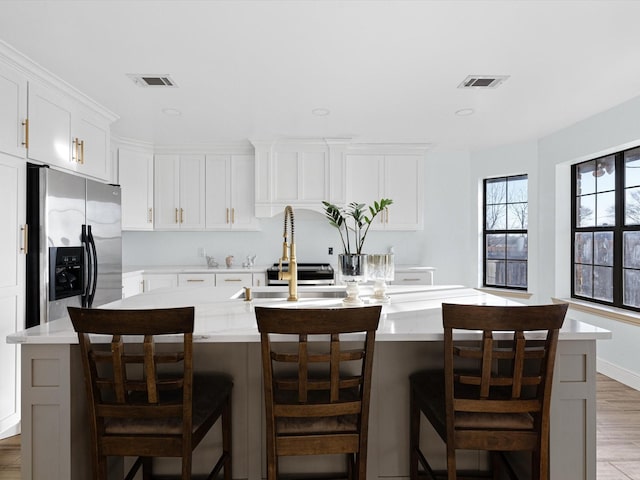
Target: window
{"points": [[606, 230], [506, 242]]}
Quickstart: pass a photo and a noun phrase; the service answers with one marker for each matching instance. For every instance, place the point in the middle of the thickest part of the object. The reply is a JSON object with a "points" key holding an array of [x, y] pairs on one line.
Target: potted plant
{"points": [[353, 224]]}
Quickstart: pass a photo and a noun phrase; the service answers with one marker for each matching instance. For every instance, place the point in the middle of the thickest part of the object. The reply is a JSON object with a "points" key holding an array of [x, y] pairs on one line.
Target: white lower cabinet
{"points": [[153, 281], [413, 278], [132, 285], [12, 286], [231, 279], [196, 279]]}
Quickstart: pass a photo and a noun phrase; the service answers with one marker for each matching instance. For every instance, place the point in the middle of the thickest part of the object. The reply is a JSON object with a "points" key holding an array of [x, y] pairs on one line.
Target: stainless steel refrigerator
{"points": [[75, 244]]}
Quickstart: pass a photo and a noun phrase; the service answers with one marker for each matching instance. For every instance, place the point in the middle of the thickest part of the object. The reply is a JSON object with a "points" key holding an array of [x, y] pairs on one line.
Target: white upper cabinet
{"points": [[136, 179], [298, 173], [13, 113], [65, 133], [229, 192], [399, 177], [179, 192]]}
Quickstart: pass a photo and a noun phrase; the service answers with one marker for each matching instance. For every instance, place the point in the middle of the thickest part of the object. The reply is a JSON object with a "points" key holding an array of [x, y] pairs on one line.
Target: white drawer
{"points": [[196, 279], [413, 278], [239, 279]]}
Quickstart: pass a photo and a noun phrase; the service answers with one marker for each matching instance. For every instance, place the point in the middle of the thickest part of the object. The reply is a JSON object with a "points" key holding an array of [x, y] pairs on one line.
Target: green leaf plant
{"points": [[359, 215]]}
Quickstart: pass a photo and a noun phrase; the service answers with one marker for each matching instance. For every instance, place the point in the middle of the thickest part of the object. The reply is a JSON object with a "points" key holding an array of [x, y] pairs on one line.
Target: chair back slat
{"points": [[515, 358], [317, 391]]}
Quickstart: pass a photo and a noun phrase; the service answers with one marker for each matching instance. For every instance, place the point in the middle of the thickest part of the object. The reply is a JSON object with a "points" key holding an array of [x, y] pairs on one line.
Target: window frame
{"points": [[617, 230], [504, 231]]}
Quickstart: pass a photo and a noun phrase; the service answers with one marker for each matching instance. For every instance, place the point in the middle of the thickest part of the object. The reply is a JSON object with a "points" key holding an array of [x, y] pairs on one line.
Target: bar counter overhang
{"points": [[55, 437]]}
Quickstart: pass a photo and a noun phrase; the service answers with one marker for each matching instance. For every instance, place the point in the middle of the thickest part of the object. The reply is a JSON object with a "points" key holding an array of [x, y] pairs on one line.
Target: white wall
{"points": [[547, 162]]}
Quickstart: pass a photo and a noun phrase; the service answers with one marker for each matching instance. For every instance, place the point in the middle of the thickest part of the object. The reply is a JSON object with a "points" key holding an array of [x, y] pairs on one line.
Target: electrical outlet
{"points": [[330, 250]]}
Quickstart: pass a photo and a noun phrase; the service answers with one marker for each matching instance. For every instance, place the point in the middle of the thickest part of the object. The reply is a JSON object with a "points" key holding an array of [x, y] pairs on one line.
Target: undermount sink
{"points": [[273, 292]]}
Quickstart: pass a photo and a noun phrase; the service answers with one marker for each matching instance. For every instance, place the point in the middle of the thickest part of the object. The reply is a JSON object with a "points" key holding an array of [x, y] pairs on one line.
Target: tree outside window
{"points": [[505, 232]]}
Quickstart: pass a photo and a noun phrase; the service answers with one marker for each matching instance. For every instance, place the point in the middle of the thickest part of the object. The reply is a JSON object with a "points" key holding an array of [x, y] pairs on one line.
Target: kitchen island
{"points": [[55, 434]]}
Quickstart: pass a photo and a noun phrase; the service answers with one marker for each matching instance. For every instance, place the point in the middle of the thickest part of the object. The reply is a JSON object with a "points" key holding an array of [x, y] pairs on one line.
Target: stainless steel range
{"points": [[308, 274]]}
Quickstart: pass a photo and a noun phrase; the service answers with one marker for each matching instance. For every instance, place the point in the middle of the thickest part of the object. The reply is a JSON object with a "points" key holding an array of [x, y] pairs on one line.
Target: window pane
{"points": [[603, 283], [584, 248], [632, 168], [586, 207], [603, 251], [631, 288], [517, 246], [517, 189], [606, 209], [631, 250], [583, 280], [496, 191], [516, 274], [496, 246], [495, 272], [496, 217], [605, 174], [632, 206], [586, 181], [518, 213]]}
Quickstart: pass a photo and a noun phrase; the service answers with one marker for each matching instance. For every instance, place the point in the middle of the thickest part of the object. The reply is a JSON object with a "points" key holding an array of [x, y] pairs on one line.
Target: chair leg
{"points": [[147, 468], [226, 438], [101, 467], [186, 465], [451, 463], [414, 437]]}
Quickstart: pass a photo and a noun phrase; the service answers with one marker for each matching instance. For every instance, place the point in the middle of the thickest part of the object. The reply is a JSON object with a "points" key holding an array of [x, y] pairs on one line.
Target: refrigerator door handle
{"points": [[94, 267], [86, 271]]}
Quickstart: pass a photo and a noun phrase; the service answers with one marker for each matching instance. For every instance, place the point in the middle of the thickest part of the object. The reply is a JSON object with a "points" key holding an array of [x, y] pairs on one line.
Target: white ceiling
{"points": [[388, 71]]}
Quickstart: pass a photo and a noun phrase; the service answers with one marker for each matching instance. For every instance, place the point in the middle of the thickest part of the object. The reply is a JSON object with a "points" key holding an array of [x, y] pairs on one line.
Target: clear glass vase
{"points": [[381, 270], [352, 269]]}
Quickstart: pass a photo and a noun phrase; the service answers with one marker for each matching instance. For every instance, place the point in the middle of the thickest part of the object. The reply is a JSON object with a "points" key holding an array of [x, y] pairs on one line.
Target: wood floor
{"points": [[618, 427]]}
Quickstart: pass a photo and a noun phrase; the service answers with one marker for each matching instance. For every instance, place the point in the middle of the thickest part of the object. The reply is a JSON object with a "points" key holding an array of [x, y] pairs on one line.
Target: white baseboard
{"points": [[10, 431], [619, 374]]}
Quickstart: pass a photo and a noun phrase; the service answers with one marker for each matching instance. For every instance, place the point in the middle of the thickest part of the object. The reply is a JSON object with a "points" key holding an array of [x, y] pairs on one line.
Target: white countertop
{"points": [[414, 313]]}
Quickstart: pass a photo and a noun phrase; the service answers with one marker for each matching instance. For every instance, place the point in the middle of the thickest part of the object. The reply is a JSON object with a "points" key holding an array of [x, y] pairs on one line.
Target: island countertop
{"points": [[414, 313]]}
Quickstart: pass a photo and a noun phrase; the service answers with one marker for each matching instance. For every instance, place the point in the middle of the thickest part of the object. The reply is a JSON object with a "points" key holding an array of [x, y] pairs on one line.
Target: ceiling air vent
{"points": [[152, 80], [483, 81]]}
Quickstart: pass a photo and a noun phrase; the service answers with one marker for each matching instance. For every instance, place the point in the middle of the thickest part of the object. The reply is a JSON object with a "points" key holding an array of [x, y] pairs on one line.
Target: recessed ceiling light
{"points": [[465, 112], [320, 112], [172, 112]]}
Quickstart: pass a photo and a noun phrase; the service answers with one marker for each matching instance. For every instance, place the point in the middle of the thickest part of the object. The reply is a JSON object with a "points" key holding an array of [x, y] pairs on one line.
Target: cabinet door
{"points": [[365, 182], [242, 193], [12, 285], [132, 285], [192, 185], [403, 178], [49, 127], [301, 177], [136, 179], [90, 145], [13, 98], [166, 199], [153, 281], [218, 192]]}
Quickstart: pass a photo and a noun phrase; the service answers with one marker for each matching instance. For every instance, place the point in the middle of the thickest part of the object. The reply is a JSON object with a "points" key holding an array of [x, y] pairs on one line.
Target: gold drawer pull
{"points": [[232, 279], [195, 280]]}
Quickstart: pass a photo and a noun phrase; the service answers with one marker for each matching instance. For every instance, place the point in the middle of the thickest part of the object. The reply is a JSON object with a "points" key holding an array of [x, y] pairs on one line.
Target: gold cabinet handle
{"points": [[150, 216], [74, 155], [181, 215], [227, 215], [81, 156], [176, 215], [233, 215], [232, 279], [25, 124], [25, 239], [195, 280]]}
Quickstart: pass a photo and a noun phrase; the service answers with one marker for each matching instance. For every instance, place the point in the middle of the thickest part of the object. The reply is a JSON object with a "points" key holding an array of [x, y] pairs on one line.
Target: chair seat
{"points": [[209, 394], [315, 425], [428, 387]]}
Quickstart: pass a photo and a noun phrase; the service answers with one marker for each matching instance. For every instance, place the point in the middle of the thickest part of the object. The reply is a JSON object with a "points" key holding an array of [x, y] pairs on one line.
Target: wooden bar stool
{"points": [[320, 404], [145, 401], [494, 393]]}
